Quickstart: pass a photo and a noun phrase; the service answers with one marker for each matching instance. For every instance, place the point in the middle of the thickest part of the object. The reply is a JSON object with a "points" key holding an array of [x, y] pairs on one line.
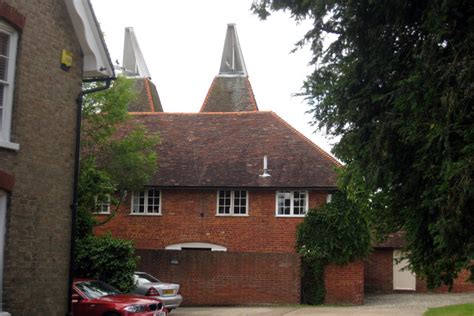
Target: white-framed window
{"points": [[232, 202], [103, 207], [291, 203], [146, 202], [329, 198], [8, 51]]}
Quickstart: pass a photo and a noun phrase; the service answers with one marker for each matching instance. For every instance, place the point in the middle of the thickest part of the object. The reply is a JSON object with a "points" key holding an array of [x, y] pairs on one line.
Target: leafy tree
{"points": [[111, 165], [335, 233], [395, 85]]}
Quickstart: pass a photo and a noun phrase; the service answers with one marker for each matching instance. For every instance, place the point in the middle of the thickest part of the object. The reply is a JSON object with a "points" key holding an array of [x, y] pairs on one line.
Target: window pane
{"points": [[299, 202], [2, 91], [240, 202], [284, 202], [3, 68], [4, 43], [153, 201], [139, 202], [224, 202]]}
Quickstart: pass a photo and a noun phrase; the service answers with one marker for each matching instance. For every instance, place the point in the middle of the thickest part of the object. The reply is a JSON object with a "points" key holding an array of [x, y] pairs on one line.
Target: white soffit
{"points": [[133, 61], [96, 59]]}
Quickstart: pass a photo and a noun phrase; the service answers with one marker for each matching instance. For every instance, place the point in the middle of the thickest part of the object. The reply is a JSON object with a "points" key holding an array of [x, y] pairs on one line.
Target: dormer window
{"points": [[8, 51]]}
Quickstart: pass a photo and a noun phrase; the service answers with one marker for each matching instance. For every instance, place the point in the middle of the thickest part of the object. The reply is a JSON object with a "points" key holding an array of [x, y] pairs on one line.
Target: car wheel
{"points": [[111, 314]]}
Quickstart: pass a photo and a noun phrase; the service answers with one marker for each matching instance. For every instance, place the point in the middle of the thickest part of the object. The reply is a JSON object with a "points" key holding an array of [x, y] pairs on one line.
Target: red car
{"points": [[96, 298]]}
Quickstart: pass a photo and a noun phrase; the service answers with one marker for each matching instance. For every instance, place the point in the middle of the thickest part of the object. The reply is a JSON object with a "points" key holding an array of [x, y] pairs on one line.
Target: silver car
{"points": [[148, 285]]}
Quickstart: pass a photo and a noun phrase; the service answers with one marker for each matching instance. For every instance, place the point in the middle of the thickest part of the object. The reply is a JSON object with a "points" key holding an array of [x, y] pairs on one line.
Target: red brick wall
{"points": [[344, 284], [379, 276], [379, 271], [190, 216], [226, 278], [460, 285]]}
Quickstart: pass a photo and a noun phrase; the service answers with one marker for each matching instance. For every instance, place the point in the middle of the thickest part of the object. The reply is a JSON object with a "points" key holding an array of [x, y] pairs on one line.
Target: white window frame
{"points": [[6, 117], [145, 205], [232, 209], [100, 206], [292, 199]]}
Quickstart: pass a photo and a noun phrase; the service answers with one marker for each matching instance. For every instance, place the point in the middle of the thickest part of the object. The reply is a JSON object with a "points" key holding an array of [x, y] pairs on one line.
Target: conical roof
{"points": [[231, 90], [134, 67]]}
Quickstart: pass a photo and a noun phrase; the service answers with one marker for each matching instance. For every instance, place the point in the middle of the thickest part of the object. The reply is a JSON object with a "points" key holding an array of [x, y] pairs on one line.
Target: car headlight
{"points": [[135, 308]]}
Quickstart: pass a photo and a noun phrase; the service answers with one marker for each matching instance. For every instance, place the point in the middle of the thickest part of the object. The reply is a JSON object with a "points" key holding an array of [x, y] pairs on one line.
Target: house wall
{"points": [[344, 284], [190, 216], [224, 278], [379, 271], [379, 275], [43, 124]]}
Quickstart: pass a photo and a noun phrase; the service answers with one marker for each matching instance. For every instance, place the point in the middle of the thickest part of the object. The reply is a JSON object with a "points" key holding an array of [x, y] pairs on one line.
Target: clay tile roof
{"points": [[227, 150], [394, 240], [230, 94], [148, 99]]}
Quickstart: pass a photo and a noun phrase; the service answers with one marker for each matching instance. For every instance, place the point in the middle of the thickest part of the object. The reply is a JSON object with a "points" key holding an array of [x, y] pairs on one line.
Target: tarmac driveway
{"points": [[387, 304]]}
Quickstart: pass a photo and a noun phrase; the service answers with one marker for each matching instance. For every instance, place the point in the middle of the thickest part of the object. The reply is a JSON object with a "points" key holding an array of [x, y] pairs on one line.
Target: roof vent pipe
{"points": [[265, 168]]}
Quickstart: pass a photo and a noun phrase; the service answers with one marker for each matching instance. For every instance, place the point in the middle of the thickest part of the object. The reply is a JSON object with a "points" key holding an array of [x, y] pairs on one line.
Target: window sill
{"points": [[232, 215], [9, 145], [145, 214], [108, 213], [291, 215]]}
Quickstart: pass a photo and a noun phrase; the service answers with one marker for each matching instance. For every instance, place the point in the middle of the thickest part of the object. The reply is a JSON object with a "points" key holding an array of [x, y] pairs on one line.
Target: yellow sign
{"points": [[66, 59]]}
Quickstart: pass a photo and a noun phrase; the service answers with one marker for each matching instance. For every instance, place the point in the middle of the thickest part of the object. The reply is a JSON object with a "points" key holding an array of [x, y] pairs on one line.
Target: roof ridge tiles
{"points": [[148, 93], [202, 113], [208, 95], [319, 149]]}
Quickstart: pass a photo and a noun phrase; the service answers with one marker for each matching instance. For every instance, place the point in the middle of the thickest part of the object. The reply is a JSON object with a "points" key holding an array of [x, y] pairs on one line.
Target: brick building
{"points": [[231, 179], [236, 181], [46, 49]]}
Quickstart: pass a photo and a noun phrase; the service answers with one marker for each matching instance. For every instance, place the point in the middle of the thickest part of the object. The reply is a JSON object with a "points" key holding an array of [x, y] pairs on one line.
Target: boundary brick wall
{"points": [[379, 276], [379, 271], [344, 284], [226, 278]]}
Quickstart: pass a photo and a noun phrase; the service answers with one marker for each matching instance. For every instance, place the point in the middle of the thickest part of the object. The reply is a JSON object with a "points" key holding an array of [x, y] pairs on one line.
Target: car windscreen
{"points": [[146, 278], [95, 289]]}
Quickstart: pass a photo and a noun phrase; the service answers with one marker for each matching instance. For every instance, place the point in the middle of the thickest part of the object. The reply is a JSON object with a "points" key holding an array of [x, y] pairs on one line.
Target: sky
{"points": [[182, 43]]}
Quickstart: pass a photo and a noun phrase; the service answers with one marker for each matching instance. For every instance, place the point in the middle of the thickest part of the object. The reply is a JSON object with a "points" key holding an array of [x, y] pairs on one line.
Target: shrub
{"points": [[106, 258], [335, 233]]}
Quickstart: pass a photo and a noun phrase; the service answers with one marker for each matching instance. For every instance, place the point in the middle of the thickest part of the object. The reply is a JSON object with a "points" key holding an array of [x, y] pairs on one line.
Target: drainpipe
{"points": [[77, 157]]}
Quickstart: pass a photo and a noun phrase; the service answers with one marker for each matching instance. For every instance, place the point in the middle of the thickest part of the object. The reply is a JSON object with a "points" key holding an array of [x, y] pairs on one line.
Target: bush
{"points": [[106, 258], [336, 233]]}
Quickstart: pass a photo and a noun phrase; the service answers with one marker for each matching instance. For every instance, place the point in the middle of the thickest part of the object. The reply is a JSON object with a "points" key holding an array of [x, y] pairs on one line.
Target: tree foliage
{"points": [[106, 258], [335, 233], [111, 165], [395, 85]]}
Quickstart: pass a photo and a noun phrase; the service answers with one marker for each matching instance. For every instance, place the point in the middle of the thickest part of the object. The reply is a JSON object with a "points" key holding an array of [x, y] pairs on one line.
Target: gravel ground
{"points": [[387, 304]]}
